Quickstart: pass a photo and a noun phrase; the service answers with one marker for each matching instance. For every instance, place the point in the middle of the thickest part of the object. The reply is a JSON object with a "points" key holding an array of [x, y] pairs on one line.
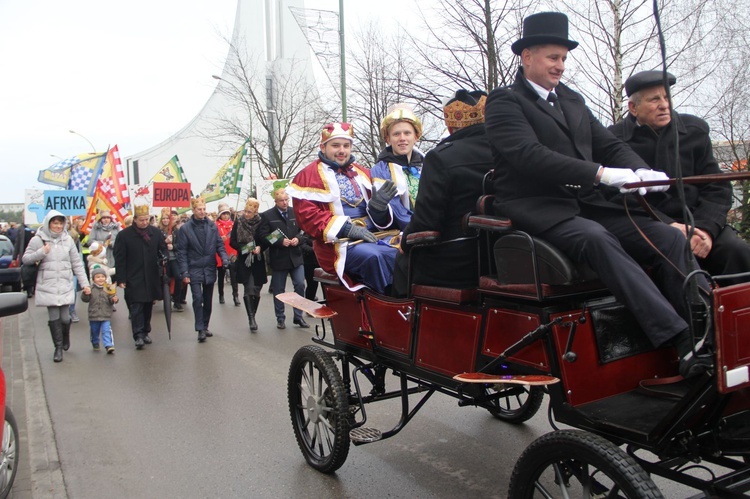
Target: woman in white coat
{"points": [[57, 256]]}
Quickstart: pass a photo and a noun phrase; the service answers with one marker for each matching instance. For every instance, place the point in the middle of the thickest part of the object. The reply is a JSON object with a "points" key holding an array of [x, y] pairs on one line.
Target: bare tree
{"points": [[619, 38], [375, 74], [279, 111]]}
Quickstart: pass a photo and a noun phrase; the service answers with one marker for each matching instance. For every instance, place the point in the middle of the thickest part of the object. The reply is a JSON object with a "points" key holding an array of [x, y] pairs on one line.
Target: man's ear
{"points": [[631, 108]]}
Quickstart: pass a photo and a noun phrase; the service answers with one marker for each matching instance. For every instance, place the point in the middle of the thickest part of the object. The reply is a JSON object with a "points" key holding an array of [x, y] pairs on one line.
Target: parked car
{"points": [[10, 304], [10, 271]]}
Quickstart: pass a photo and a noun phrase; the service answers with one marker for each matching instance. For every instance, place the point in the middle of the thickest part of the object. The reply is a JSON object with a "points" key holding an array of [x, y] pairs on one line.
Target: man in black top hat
{"points": [[555, 165], [450, 185], [649, 128]]}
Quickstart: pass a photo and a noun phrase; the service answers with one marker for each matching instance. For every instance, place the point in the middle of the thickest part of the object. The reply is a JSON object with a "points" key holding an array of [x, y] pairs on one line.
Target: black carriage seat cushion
{"points": [[450, 295], [513, 259]]}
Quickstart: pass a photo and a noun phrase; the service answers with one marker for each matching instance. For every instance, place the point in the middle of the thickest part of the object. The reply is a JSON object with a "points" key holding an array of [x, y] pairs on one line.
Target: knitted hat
{"points": [[96, 271], [223, 208], [337, 131], [465, 108], [104, 213], [396, 114]]}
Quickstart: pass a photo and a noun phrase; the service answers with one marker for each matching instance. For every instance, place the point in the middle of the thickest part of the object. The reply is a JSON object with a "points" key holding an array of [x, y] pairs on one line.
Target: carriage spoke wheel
{"points": [[319, 409], [520, 404], [573, 463]]}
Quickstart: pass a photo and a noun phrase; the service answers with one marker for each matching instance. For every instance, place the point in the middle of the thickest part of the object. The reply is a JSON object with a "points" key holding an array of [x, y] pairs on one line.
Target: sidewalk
{"points": [[39, 474]]}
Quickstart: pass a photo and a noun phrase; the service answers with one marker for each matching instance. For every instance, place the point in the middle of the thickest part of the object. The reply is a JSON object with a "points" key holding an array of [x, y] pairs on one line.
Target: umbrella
{"points": [[166, 296]]}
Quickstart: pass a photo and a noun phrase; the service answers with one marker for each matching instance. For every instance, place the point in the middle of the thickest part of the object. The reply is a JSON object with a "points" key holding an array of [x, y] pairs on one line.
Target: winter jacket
{"points": [[54, 281], [105, 234], [199, 242], [100, 304]]}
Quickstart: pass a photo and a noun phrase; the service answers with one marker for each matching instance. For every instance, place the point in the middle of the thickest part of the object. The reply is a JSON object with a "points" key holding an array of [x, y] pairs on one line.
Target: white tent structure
{"points": [[263, 27]]}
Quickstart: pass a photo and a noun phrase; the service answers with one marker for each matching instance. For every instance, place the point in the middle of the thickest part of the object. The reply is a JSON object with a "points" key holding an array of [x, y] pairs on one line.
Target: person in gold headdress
{"points": [[449, 188], [199, 242], [138, 254], [400, 162]]}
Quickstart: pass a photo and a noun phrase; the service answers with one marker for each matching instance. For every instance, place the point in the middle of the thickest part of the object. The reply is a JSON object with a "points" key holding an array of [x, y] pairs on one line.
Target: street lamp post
{"points": [[93, 149]]}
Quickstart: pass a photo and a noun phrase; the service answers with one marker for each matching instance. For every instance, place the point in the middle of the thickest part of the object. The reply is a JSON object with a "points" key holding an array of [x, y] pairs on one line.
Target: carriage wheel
{"points": [[517, 407], [8, 453], [574, 463], [319, 409]]}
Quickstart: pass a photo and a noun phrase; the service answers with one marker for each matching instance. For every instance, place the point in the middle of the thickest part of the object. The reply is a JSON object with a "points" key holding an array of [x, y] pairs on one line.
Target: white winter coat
{"points": [[54, 280]]}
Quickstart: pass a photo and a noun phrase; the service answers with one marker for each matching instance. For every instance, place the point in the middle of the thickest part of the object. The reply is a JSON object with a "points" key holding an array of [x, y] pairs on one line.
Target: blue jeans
{"points": [[278, 285], [103, 327]]}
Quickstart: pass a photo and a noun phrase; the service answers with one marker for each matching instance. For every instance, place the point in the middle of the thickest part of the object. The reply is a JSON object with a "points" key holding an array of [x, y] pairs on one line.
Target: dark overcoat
{"points": [[450, 185], [281, 257], [545, 165], [710, 202], [196, 256], [257, 269], [138, 264]]}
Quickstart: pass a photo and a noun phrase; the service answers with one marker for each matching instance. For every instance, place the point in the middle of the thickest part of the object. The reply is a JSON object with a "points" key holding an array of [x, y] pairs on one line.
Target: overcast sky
{"points": [[128, 73]]}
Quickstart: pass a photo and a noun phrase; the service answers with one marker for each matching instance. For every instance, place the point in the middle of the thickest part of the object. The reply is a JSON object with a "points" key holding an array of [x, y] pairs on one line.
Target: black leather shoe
{"points": [[208, 333], [177, 307], [139, 343], [221, 300], [301, 323], [280, 325], [201, 336], [694, 365], [147, 340], [236, 300]]}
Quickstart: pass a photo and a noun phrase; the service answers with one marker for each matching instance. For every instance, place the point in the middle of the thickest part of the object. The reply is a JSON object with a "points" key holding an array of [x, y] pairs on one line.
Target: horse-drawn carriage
{"points": [[537, 324]]}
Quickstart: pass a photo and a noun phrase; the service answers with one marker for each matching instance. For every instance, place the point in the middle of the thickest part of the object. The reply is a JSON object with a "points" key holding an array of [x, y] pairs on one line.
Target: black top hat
{"points": [[543, 28], [647, 79]]}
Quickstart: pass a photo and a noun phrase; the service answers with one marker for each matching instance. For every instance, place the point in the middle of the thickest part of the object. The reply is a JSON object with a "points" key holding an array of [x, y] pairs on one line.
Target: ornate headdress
{"points": [[337, 131], [396, 114], [140, 210], [195, 202], [465, 108]]}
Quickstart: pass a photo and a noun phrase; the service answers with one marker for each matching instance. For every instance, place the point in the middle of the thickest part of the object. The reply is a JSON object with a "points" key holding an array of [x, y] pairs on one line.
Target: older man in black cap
{"points": [[555, 164], [450, 185], [651, 130]]}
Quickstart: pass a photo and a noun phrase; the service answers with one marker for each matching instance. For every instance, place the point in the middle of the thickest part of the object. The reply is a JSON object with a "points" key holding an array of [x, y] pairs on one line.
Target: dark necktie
{"points": [[552, 99], [286, 217]]}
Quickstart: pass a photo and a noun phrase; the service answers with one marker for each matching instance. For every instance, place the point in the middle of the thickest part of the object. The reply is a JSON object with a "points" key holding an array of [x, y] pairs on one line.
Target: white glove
{"points": [[647, 174], [617, 177]]}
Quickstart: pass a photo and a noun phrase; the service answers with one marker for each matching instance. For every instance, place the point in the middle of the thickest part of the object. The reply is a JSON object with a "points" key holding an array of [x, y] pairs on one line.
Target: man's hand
{"points": [[381, 197], [646, 175], [294, 241], [115, 299], [701, 242], [186, 280], [617, 177], [361, 233], [286, 242], [122, 285]]}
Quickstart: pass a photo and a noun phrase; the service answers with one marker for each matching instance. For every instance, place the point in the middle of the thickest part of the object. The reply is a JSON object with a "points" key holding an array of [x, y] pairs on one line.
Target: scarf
{"points": [[345, 169], [143, 233], [246, 229]]}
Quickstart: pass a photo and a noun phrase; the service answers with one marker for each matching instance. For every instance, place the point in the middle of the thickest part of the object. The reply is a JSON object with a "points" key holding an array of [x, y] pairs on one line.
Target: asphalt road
{"points": [[183, 419]]}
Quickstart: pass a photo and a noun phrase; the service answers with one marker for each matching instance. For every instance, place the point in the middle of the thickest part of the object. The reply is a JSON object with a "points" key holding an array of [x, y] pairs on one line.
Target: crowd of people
{"points": [[559, 175]]}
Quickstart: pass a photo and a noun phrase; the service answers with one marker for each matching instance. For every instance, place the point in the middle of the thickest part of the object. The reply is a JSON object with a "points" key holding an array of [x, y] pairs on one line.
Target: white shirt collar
{"points": [[543, 92]]}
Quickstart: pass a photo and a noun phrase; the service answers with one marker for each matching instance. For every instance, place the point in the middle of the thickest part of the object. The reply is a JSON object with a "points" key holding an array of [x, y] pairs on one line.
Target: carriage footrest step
{"points": [[363, 435], [515, 379]]}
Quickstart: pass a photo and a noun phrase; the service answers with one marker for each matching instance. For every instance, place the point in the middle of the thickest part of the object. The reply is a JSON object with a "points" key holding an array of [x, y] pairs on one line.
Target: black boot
{"points": [[250, 314], [55, 328], [255, 300], [65, 336], [236, 299]]}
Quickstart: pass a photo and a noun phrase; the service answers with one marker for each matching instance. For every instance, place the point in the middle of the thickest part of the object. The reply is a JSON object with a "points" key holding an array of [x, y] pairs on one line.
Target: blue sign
{"points": [[68, 203]]}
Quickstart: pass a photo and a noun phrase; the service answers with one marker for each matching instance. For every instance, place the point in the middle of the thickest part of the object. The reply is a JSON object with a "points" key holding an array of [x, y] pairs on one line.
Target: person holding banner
{"points": [[198, 245], [58, 259]]}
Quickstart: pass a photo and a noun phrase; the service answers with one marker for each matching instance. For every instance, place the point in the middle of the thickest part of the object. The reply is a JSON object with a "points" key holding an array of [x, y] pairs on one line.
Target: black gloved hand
{"points": [[381, 197], [359, 232]]}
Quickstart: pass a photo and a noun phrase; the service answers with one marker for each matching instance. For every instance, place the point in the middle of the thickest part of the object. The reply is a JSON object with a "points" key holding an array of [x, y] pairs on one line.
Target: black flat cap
{"points": [[647, 79]]}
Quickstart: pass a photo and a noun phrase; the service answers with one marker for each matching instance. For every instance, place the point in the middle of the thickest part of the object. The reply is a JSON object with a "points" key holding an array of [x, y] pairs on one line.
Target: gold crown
{"points": [[396, 114], [197, 202], [141, 209]]}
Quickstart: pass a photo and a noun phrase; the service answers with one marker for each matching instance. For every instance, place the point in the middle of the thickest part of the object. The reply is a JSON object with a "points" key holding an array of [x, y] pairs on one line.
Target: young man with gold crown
{"points": [[335, 202]]}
